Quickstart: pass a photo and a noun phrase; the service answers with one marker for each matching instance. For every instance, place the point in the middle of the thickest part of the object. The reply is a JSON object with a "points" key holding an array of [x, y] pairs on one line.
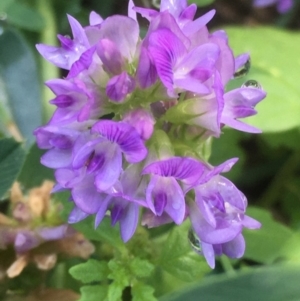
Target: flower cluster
{"points": [[135, 116], [283, 6]]}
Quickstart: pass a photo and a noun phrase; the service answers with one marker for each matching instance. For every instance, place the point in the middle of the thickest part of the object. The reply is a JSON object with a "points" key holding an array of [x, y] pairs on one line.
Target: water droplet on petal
{"points": [[252, 83], [194, 241], [243, 70], [156, 3]]}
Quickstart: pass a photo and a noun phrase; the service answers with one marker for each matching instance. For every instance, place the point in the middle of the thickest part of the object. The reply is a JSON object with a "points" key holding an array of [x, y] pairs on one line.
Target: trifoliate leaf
{"points": [[93, 293], [179, 259], [90, 271], [141, 268], [142, 292], [12, 157]]}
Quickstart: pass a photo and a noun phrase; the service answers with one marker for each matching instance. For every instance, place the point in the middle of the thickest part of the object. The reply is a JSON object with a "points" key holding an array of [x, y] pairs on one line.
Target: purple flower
{"points": [[283, 6], [164, 194], [70, 50], [165, 97], [218, 214]]}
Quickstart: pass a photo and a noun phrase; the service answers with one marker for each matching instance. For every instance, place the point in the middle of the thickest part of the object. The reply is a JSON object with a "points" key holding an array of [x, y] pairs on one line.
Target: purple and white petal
{"points": [[119, 86], [102, 210], [123, 32], [110, 56], [108, 173], [129, 221], [125, 136], [235, 248], [192, 27], [95, 19], [77, 215], [83, 63], [208, 253], [181, 168], [86, 197]]}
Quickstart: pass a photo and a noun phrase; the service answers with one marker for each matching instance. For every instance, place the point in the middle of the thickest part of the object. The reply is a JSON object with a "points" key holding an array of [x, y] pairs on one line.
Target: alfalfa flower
{"points": [[165, 96]]}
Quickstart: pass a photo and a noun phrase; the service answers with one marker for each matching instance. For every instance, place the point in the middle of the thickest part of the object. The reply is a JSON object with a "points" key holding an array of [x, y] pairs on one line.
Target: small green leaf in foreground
{"points": [[90, 271]]}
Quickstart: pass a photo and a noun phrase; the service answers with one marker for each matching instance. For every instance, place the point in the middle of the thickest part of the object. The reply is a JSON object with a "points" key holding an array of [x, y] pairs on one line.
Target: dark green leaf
{"points": [[33, 172], [288, 139], [142, 292], [12, 156], [90, 271], [20, 76], [263, 245], [226, 147], [24, 16], [179, 259], [276, 283]]}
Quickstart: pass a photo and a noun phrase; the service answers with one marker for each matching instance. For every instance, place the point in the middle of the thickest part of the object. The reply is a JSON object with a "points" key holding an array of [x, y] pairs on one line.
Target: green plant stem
{"points": [[48, 71], [283, 175], [227, 266]]}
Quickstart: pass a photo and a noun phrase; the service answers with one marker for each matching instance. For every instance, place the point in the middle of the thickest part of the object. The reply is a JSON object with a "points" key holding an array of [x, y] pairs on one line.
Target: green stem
{"points": [[283, 175], [227, 266], [48, 71]]}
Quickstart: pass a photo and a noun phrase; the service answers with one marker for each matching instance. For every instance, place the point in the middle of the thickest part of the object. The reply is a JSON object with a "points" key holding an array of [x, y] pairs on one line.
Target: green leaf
{"points": [[115, 291], [33, 172], [19, 72], [179, 259], [90, 271], [12, 156], [93, 293], [275, 283], [290, 251], [24, 16], [4, 4], [201, 2], [142, 292], [6, 120], [264, 245], [288, 139], [119, 272], [274, 58], [105, 232], [141, 267]]}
